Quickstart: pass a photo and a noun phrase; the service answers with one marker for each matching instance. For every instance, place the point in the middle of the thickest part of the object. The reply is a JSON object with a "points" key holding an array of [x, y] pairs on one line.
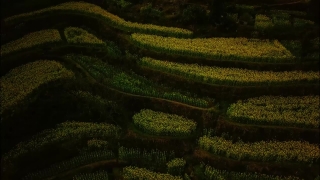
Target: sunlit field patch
{"points": [[23, 80], [159, 123], [232, 76], [265, 151], [133, 172], [31, 40], [237, 49], [276, 110], [212, 173]]}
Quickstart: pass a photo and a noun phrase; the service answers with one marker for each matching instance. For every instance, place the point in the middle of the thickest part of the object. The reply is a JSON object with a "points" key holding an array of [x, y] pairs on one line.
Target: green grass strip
{"points": [[132, 83], [79, 36]]}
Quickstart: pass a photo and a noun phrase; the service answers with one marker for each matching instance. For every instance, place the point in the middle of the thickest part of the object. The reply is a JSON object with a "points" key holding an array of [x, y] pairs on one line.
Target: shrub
{"points": [[149, 12], [194, 14], [176, 166], [246, 18]]}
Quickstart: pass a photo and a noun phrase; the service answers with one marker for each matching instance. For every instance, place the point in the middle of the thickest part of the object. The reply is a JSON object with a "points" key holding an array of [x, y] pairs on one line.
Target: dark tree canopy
{"points": [[313, 10]]}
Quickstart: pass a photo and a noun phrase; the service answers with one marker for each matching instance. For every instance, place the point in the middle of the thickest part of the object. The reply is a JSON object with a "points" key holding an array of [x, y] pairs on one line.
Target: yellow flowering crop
{"points": [[133, 172], [159, 123], [272, 151], [30, 40], [239, 49], [98, 175], [231, 76], [112, 20], [23, 80], [176, 166], [78, 35], [212, 174], [275, 110]]}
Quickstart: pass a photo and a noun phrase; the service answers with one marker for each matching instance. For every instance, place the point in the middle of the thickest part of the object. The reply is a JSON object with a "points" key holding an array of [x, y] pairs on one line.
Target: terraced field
{"points": [[88, 93]]}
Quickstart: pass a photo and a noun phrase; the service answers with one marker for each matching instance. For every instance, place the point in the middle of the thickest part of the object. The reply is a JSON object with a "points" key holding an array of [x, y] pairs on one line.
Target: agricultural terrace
{"points": [[132, 83], [77, 35], [235, 49], [280, 20], [23, 80], [100, 175], [31, 40], [155, 156], [176, 166], [272, 151], [82, 159], [125, 83], [295, 46], [159, 123], [133, 172], [113, 20], [276, 110], [66, 131], [93, 98], [262, 23], [211, 174], [97, 144], [231, 76]]}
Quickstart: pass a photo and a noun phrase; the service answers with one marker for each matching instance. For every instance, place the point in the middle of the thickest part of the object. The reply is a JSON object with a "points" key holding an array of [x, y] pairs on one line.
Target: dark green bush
{"points": [[135, 1], [194, 14], [113, 50], [246, 18], [313, 10], [149, 12]]}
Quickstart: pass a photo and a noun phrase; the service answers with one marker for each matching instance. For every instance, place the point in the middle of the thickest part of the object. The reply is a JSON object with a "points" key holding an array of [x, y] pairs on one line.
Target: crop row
{"points": [[287, 13], [231, 76], [64, 132], [279, 21], [154, 158], [23, 80], [93, 98], [77, 35], [272, 151], [75, 162], [151, 158], [131, 83], [176, 166], [99, 175], [73, 35], [237, 49], [132, 173], [159, 123], [113, 20], [275, 110], [30, 40], [211, 173]]}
